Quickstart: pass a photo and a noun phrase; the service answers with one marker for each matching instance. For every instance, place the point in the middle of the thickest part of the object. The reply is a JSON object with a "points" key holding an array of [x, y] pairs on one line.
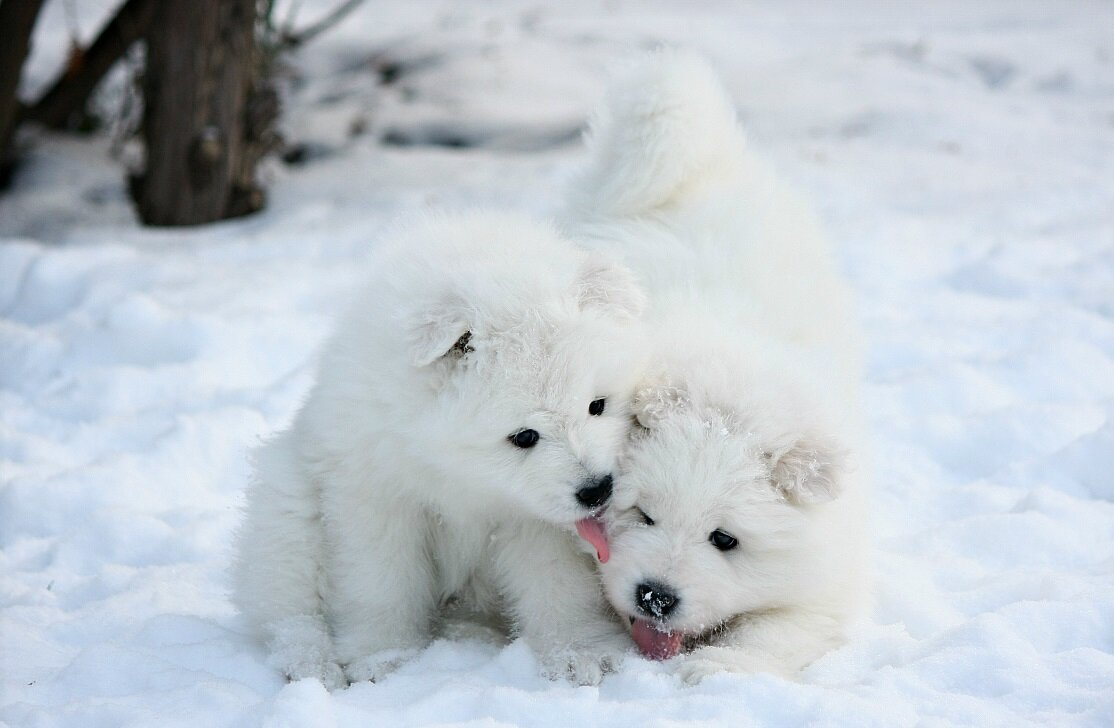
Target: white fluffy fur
{"points": [[396, 489], [749, 416]]}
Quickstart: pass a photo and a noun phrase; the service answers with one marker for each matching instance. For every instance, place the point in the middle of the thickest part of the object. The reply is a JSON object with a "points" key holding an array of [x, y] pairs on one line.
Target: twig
{"points": [[292, 39]]}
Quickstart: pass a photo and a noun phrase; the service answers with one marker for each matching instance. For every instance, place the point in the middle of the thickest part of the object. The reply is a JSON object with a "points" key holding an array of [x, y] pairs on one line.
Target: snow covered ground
{"points": [[963, 156]]}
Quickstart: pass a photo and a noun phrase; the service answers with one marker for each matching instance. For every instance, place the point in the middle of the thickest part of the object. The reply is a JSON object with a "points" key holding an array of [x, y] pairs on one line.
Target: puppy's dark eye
{"points": [[596, 407], [722, 540], [524, 439], [645, 519]]}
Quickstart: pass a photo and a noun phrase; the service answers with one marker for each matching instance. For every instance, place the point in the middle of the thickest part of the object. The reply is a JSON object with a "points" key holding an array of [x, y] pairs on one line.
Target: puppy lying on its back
{"points": [[736, 529], [468, 413]]}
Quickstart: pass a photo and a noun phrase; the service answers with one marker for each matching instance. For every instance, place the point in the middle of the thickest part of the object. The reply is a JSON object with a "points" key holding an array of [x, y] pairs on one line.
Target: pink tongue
{"points": [[653, 643], [591, 530]]}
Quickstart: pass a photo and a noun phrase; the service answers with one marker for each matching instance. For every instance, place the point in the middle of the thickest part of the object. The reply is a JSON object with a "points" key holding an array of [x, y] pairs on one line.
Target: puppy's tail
{"points": [[666, 128]]}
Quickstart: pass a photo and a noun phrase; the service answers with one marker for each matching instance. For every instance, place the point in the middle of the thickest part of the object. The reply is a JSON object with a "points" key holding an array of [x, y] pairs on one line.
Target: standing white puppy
{"points": [[468, 413], [737, 525]]}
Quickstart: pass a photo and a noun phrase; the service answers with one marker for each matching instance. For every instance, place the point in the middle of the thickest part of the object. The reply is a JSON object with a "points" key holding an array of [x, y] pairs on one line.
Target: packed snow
{"points": [[962, 155]]}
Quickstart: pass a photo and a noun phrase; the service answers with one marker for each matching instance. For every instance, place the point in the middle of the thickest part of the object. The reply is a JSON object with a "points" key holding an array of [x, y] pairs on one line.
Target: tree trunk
{"points": [[17, 19], [198, 112]]}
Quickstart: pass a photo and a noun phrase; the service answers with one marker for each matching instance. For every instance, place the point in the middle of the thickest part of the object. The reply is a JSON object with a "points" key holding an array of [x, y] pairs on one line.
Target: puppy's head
{"points": [[711, 513], [527, 366]]}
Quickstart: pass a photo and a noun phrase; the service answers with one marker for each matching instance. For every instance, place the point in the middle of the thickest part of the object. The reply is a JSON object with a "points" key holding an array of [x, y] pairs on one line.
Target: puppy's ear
{"points": [[607, 285], [439, 330], [808, 471], [653, 404]]}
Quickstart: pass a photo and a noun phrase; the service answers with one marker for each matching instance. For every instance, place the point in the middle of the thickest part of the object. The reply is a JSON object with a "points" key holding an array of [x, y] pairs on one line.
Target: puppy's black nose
{"points": [[654, 599], [596, 494]]}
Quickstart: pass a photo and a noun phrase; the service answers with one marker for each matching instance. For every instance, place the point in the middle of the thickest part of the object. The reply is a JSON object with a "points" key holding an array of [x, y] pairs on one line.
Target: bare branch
{"points": [[292, 39], [17, 18], [70, 91]]}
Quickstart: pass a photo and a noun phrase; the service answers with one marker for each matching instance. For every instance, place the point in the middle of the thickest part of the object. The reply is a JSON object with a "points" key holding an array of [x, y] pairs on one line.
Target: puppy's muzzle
{"points": [[596, 494]]}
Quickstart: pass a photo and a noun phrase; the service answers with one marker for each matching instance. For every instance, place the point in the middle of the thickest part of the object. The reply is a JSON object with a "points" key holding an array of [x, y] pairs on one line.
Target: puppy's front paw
{"points": [[329, 673], [695, 669], [374, 668], [300, 648], [584, 665], [707, 661]]}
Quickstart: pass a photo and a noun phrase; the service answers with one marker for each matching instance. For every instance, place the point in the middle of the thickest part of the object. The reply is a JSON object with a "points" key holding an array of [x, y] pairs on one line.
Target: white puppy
{"points": [[468, 412], [737, 525]]}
